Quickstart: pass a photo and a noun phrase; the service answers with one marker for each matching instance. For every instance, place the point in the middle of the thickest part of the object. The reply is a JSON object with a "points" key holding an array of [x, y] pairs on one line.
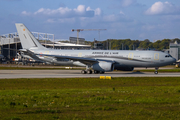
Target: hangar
{"points": [[10, 44]]}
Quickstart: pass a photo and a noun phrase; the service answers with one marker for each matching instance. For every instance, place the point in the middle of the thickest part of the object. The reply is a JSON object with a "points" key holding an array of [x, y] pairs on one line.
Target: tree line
{"points": [[128, 44]]}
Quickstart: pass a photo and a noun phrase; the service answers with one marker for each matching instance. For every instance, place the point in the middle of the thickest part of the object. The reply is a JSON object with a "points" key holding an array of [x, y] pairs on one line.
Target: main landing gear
{"points": [[86, 71], [156, 70], [98, 72], [90, 72]]}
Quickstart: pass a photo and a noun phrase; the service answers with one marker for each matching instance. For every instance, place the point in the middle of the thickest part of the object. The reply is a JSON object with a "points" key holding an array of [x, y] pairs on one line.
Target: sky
{"points": [[123, 19]]}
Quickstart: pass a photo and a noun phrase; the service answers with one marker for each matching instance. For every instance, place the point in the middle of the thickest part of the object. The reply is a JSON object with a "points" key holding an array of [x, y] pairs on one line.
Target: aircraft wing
{"points": [[31, 54], [84, 60]]}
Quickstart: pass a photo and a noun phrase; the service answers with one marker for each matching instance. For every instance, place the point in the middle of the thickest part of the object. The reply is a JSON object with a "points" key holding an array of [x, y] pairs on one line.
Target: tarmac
{"points": [[10, 74]]}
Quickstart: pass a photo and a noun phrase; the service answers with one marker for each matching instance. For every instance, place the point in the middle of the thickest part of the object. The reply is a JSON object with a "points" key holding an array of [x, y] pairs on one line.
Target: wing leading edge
{"points": [[84, 60]]}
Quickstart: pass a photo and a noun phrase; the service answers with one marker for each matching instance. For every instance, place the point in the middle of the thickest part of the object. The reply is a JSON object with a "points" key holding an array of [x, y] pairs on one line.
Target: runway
{"points": [[8, 74]]}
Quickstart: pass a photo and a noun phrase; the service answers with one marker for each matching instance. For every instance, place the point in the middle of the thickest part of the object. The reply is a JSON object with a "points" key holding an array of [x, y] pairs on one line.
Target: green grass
{"points": [[90, 98]]}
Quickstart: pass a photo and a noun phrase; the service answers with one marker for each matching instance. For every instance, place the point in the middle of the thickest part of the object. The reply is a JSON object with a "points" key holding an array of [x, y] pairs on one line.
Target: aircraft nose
{"points": [[173, 60]]}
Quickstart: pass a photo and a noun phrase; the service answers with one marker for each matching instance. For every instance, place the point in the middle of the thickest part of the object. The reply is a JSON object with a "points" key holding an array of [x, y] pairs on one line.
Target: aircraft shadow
{"points": [[136, 72]]}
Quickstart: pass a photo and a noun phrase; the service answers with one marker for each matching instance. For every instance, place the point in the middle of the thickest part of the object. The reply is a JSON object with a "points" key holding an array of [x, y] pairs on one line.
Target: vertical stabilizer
{"points": [[27, 39]]}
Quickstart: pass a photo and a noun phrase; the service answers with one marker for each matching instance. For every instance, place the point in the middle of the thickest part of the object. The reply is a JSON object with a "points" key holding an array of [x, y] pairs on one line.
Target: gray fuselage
{"points": [[121, 58]]}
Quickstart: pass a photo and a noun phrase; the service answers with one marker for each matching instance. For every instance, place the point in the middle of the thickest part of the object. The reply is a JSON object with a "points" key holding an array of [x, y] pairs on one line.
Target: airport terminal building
{"points": [[175, 50], [10, 44]]}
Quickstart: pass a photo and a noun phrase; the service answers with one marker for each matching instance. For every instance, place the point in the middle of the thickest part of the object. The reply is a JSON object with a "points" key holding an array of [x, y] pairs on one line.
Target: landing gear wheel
{"points": [[96, 72], [83, 72], [89, 72], [156, 72], [101, 72]]}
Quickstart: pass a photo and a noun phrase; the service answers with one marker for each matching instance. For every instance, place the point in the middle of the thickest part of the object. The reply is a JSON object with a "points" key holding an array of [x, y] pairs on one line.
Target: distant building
{"points": [[74, 40], [10, 44], [175, 50], [166, 51], [98, 46]]}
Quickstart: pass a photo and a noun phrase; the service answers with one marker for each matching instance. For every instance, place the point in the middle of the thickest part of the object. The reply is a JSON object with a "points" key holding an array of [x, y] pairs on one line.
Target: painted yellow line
{"points": [[102, 77], [106, 77]]}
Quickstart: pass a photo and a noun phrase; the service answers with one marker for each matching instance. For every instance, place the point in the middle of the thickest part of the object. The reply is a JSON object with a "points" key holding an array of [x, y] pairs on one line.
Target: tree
{"points": [[144, 44], [164, 44]]}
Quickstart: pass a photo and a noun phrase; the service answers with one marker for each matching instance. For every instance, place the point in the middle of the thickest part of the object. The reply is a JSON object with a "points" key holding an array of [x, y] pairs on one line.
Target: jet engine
{"points": [[103, 66]]}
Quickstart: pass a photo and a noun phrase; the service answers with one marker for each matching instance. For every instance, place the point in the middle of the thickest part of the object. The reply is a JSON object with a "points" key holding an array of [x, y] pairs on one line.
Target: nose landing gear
{"points": [[156, 70]]}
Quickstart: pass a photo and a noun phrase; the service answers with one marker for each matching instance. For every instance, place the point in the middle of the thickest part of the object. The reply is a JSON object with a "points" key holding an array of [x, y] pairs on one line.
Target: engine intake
{"points": [[103, 66]]}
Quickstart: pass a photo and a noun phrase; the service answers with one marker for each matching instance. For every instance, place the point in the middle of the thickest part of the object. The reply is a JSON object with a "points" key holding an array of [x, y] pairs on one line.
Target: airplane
{"points": [[99, 61]]}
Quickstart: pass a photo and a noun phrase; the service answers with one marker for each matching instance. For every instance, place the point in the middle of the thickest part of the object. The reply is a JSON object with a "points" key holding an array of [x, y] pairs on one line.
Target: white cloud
{"points": [[126, 3], [65, 12], [67, 20], [116, 4], [80, 9], [60, 11], [162, 8], [116, 18], [88, 9], [25, 13], [98, 11], [122, 13], [111, 18], [149, 27], [50, 21]]}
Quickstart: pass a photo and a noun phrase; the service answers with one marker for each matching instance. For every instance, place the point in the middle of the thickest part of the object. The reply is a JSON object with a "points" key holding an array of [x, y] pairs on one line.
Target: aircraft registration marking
{"points": [[130, 56], [80, 55], [46, 52], [156, 56]]}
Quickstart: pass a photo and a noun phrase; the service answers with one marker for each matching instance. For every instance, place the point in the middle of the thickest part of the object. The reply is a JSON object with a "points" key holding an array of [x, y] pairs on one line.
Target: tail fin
{"points": [[27, 39]]}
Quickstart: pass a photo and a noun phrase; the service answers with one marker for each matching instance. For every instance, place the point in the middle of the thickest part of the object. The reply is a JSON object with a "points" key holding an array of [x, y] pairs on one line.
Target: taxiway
{"points": [[75, 74]]}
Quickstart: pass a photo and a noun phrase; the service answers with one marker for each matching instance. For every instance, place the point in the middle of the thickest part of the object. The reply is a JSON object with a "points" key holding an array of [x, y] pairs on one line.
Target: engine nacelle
{"points": [[103, 66], [125, 68]]}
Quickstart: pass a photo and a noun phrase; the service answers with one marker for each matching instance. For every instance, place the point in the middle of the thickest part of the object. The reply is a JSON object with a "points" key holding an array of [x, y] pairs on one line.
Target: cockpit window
{"points": [[168, 56]]}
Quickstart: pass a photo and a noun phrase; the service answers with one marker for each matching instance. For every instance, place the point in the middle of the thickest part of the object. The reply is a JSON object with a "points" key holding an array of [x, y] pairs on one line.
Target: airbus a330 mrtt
{"points": [[97, 61]]}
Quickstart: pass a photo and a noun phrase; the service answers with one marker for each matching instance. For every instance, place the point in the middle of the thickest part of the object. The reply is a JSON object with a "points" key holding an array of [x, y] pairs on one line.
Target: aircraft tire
{"points": [[156, 72], [89, 72], [101, 72], [96, 72], [83, 72]]}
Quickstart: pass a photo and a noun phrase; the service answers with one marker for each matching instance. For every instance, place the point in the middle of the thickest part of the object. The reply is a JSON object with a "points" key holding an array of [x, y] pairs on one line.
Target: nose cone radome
{"points": [[174, 60]]}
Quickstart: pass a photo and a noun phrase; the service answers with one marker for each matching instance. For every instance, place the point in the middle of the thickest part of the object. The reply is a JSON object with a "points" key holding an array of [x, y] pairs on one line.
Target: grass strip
{"points": [[90, 98]]}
